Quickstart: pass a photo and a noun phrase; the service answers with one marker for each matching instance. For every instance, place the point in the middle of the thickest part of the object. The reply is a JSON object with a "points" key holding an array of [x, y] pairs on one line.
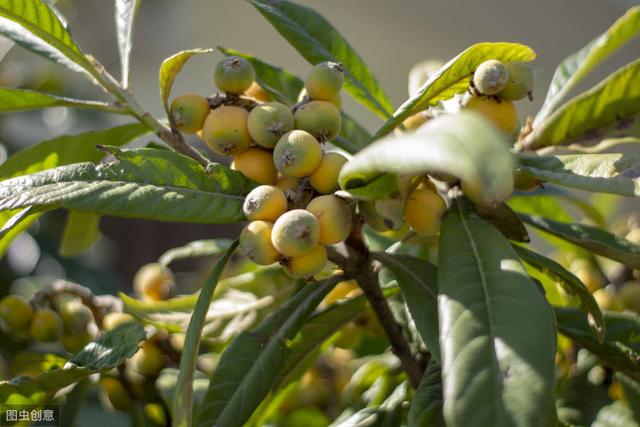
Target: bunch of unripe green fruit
{"points": [[293, 212]]}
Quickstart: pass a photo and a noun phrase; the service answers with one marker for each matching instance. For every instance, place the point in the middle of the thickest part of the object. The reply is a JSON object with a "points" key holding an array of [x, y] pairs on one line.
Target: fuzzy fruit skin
{"points": [[149, 360], [256, 92], [153, 282], [336, 100], [73, 343], [110, 321], [320, 118], [490, 77], [501, 113], [265, 202], [188, 112], [334, 217], [16, 312], [308, 264], [76, 317], [289, 185], [116, 394], [325, 80], [268, 122], [256, 164], [46, 325], [225, 130], [295, 233], [255, 243], [423, 210], [325, 178], [629, 296], [234, 75], [297, 154], [520, 83]]}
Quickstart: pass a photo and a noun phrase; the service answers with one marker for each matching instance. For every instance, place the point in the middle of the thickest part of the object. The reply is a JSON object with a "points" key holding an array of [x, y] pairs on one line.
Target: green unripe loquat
{"points": [[336, 100], [297, 154], [16, 313], [76, 317], [265, 202], [629, 296], [115, 393], [308, 264], [110, 321], [325, 178], [268, 122], [154, 282], [320, 118], [255, 243], [334, 217], [257, 92], [295, 233], [256, 164], [234, 75], [188, 112], [423, 210], [520, 82], [606, 301], [46, 325], [324, 80], [490, 77], [502, 113], [73, 343], [149, 360], [225, 130]]}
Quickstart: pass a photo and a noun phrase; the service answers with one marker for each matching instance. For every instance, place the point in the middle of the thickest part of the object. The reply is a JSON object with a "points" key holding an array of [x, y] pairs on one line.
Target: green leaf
{"points": [[454, 78], [126, 11], [506, 221], [283, 86], [252, 363], [56, 152], [615, 173], [611, 101], [166, 384], [498, 340], [418, 282], [381, 187], [352, 137], [576, 66], [197, 248], [317, 41], [458, 145], [132, 187], [106, 352], [81, 231], [182, 405], [621, 345], [593, 239], [12, 99], [170, 68], [426, 405], [36, 26], [569, 282]]}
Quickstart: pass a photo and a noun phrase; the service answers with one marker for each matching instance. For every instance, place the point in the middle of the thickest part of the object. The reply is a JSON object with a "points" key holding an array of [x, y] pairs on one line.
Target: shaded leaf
{"points": [[169, 70], [183, 402], [594, 239], [631, 391], [126, 11], [197, 248], [506, 221], [352, 137], [610, 102], [576, 66], [497, 336], [454, 78], [166, 385], [81, 231], [131, 187], [569, 282], [12, 99], [317, 41], [426, 405]]}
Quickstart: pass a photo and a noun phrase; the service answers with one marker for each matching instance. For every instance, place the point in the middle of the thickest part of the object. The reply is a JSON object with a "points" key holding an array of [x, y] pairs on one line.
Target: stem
{"points": [[164, 132]]}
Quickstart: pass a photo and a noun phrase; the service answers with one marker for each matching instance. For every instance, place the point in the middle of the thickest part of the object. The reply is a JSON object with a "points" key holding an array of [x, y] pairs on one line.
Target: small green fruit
{"points": [[308, 264], [234, 75], [225, 130], [325, 80], [46, 325], [149, 360], [256, 164], [188, 112], [297, 154], [520, 82], [268, 122], [76, 317], [110, 321], [334, 217], [629, 296], [265, 202], [320, 118], [336, 100], [154, 282], [490, 77], [76, 342], [116, 394], [325, 178], [295, 233], [255, 243], [16, 313]]}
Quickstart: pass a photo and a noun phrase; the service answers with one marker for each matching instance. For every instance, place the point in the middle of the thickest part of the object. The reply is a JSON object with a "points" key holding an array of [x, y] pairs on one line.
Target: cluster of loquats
{"points": [[294, 212]]}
